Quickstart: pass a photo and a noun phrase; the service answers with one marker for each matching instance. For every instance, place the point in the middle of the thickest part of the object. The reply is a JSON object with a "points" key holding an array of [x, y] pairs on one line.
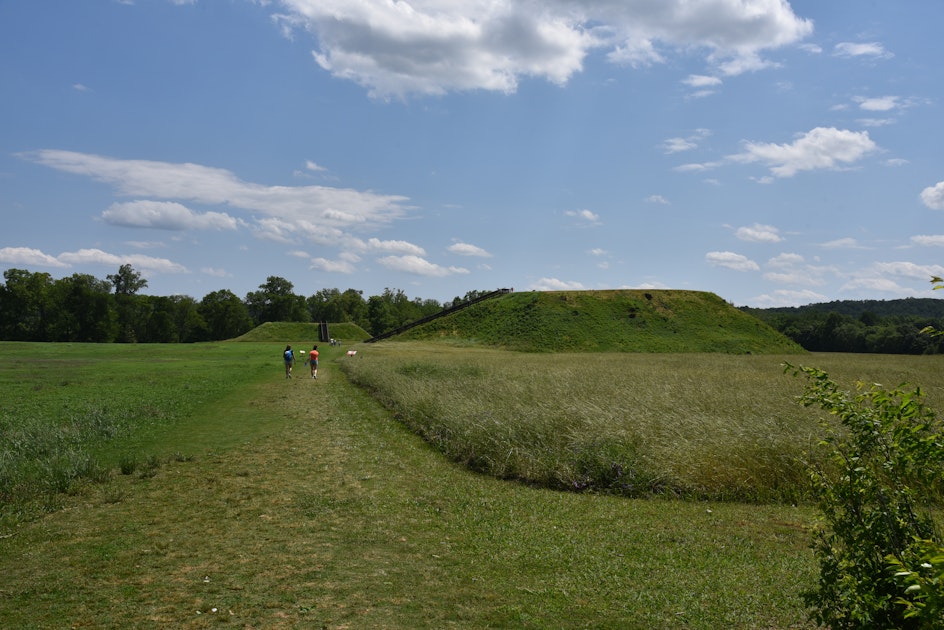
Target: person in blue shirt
{"points": [[289, 357]]}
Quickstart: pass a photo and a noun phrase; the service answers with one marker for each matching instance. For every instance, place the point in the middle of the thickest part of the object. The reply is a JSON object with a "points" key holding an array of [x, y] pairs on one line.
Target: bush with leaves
{"points": [[879, 486]]}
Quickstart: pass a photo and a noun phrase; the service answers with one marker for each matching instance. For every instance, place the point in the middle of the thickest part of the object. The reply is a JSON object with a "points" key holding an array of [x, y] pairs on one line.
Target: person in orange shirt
{"points": [[313, 361]]}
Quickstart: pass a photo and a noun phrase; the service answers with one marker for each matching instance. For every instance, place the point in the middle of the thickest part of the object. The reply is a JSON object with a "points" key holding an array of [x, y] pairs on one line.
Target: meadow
{"points": [[696, 426], [197, 487]]}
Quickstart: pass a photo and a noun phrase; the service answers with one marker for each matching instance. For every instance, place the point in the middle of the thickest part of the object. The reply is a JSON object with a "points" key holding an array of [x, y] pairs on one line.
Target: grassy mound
{"points": [[302, 332], [607, 321]]}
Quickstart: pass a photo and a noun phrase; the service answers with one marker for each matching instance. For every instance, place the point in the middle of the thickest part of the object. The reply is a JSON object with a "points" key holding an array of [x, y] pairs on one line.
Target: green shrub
{"points": [[879, 490]]}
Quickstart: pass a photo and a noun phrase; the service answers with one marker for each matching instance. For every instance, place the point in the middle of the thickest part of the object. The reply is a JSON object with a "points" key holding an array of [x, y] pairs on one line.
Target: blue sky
{"points": [[773, 153]]}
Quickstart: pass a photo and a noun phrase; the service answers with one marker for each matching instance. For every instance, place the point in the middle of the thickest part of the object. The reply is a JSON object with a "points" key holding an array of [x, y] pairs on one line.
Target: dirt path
{"points": [[324, 522]]}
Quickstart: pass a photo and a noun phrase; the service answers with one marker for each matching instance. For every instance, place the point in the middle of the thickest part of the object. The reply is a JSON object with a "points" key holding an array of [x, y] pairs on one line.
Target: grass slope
{"points": [[608, 321], [292, 332]]}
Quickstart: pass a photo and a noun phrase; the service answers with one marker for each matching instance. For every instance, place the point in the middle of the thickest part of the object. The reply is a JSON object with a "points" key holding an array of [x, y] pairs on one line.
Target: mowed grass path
{"points": [[334, 515]]}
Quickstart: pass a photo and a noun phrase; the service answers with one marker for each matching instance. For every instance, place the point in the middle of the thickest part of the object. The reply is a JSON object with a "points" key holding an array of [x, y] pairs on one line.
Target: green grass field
{"points": [[205, 489]]}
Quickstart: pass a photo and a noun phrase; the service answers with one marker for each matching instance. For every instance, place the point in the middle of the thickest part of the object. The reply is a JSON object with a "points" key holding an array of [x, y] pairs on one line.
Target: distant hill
{"points": [[932, 308], [301, 332], [607, 321], [875, 326]]}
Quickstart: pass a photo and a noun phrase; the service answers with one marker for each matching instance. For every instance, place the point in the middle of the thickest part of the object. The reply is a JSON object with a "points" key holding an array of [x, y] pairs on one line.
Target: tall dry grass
{"points": [[694, 425]]}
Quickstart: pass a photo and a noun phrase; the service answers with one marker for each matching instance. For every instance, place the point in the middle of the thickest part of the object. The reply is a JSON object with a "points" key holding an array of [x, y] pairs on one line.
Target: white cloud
{"points": [[867, 49], [395, 247], [659, 199], [466, 249], [419, 266], [758, 233], [878, 104], [788, 297], [324, 207], [696, 168], [822, 147], [876, 284], [785, 260], [165, 215], [275, 230], [145, 244], [899, 278], [28, 256], [932, 240], [894, 277], [687, 143], [842, 243], [553, 284], [138, 261], [701, 81], [677, 145], [730, 260], [584, 215], [431, 47], [332, 266], [876, 122], [216, 273], [908, 270], [933, 196], [596, 251], [790, 268], [703, 85]]}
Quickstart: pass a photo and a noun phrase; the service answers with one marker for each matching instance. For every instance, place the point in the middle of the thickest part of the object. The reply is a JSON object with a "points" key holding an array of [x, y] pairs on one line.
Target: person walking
{"points": [[313, 361], [289, 357]]}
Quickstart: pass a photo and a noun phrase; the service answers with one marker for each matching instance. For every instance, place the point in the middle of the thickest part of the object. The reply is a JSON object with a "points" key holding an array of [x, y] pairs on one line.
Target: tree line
{"points": [[83, 308], [871, 326]]}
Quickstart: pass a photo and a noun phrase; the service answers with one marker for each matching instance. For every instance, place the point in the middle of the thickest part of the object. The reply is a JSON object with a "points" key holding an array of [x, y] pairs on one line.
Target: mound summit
{"points": [[606, 321]]}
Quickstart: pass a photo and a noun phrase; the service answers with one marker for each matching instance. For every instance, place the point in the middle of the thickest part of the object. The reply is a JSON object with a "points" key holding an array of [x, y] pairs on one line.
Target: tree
{"points": [[83, 310], [24, 305], [225, 315], [380, 315], [354, 307], [133, 313], [127, 281], [275, 302], [326, 306]]}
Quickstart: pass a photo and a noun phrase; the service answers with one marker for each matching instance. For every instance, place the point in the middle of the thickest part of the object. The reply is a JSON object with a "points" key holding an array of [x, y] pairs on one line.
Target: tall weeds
{"points": [[690, 425]]}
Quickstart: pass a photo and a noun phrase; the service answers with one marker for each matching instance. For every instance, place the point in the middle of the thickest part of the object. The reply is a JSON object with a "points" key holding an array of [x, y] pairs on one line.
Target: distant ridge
{"points": [[909, 307], [606, 321]]}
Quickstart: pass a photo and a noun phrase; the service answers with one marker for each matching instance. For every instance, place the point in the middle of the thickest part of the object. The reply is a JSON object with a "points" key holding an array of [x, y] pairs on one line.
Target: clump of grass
{"points": [[704, 426]]}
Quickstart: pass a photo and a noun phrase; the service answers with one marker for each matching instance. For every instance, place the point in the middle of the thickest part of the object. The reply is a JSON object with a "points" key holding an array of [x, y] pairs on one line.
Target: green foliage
{"points": [[607, 321], [921, 576], [879, 489], [888, 327], [275, 302], [225, 315]]}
